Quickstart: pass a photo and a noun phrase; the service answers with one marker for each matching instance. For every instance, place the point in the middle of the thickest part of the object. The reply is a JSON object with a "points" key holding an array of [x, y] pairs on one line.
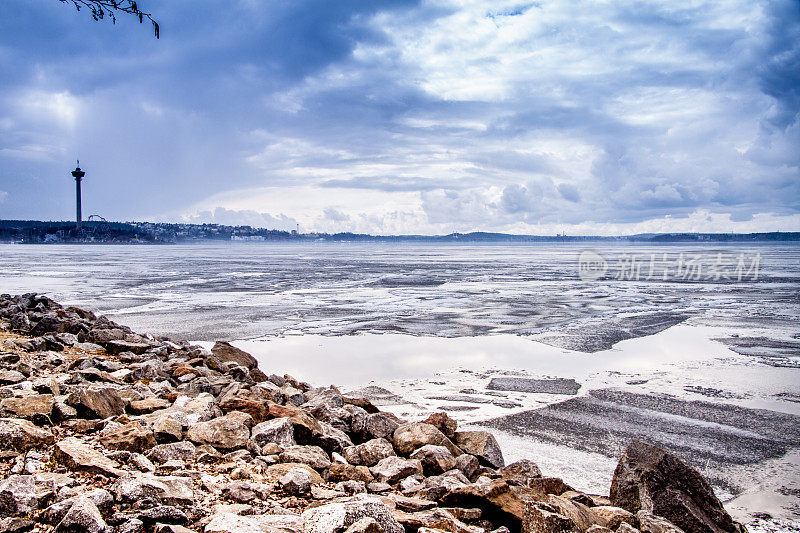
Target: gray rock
{"points": [[336, 517], [650, 523], [379, 425], [467, 464], [92, 402], [275, 523], [313, 456], [482, 445], [408, 437], [368, 453], [393, 469], [435, 459], [170, 490], [77, 456], [167, 429], [278, 430], [21, 435], [83, 517], [296, 481], [18, 495], [547, 386], [520, 472], [183, 450], [655, 480]]}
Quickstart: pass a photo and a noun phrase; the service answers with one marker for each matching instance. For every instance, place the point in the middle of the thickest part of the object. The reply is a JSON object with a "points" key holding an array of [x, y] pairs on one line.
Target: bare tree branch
{"points": [[101, 9]]}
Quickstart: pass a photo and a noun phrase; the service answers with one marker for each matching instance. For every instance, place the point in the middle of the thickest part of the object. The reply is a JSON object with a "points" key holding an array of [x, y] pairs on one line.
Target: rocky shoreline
{"points": [[105, 430]]}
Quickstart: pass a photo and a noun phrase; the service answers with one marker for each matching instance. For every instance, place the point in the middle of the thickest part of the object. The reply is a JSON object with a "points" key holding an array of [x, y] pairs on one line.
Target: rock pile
{"points": [[103, 430]]}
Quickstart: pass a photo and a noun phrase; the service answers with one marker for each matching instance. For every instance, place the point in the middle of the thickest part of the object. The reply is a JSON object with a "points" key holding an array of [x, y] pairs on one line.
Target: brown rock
{"points": [[345, 472], [482, 445], [255, 408], [583, 517], [77, 456], [119, 346], [433, 518], [148, 405], [496, 499], [443, 423], [131, 437], [277, 471], [306, 427], [227, 432], [31, 407], [650, 523], [655, 480], [520, 472], [543, 518], [224, 351], [614, 516]]}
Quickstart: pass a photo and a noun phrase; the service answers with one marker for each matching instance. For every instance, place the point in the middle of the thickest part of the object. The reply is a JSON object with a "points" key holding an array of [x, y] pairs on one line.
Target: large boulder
{"points": [[34, 407], [435, 459], [83, 517], [655, 480], [520, 472], [337, 516], [224, 351], [313, 456], [94, 402], [168, 490], [495, 499], [21, 435], [227, 432], [18, 495], [408, 437], [131, 437], [306, 427], [77, 456], [278, 431], [482, 445], [392, 469]]}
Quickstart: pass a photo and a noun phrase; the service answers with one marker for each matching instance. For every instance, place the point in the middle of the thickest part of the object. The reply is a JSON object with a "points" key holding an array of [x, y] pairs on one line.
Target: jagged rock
{"points": [[306, 427], [650, 523], [191, 410], [520, 472], [183, 450], [162, 514], [494, 499], [278, 430], [18, 495], [655, 480], [275, 523], [130, 525], [77, 456], [83, 517], [33, 407], [379, 425], [226, 352], [368, 453], [547, 485], [337, 516], [627, 528], [392, 469], [614, 516], [256, 409], [408, 437], [583, 517], [227, 432], [171, 528], [131, 437], [97, 402], [435, 459], [21, 435], [147, 405], [467, 464], [540, 517], [296, 481], [170, 490], [443, 423], [333, 439], [313, 456], [482, 445], [167, 429], [119, 346], [435, 519]]}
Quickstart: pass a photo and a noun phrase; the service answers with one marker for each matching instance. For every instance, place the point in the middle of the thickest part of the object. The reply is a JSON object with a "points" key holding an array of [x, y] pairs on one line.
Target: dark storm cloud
{"points": [[481, 115]]}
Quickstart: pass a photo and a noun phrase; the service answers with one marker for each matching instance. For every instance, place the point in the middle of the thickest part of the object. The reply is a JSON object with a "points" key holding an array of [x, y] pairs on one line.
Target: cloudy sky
{"points": [[396, 116]]}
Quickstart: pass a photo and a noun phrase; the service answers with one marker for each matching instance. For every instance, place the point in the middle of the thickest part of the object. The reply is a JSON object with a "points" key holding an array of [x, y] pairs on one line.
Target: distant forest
{"points": [[36, 231]]}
